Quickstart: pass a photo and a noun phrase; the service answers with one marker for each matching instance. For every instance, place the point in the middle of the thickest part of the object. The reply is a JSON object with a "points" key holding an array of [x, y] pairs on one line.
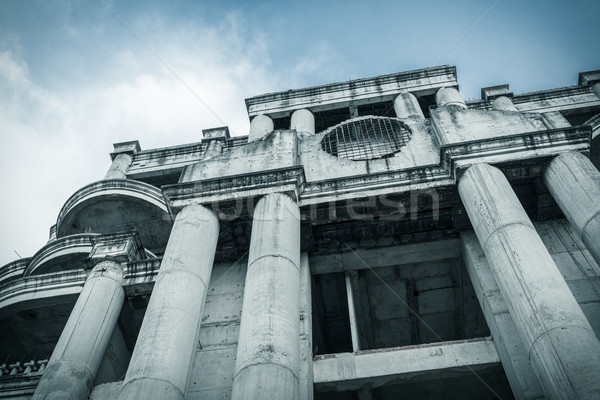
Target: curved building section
{"points": [[63, 254], [117, 205]]}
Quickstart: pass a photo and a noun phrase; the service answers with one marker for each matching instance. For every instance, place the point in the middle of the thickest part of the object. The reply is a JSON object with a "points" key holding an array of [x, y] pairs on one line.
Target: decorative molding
{"points": [[518, 147], [424, 81], [21, 291], [229, 189], [79, 243], [110, 188]]}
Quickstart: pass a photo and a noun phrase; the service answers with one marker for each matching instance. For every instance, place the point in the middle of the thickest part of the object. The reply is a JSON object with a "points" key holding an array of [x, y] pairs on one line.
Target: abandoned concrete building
{"points": [[380, 238]]}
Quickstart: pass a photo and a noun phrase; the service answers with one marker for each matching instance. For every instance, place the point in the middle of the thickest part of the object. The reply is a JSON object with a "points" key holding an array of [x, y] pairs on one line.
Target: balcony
{"points": [[117, 205]]}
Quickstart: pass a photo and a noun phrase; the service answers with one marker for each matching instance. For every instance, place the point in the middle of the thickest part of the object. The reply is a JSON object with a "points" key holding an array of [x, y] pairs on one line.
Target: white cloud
{"points": [[56, 141]]}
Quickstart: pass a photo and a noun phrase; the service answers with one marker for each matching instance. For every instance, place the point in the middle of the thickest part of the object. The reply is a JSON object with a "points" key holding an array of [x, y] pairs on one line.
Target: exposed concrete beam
{"points": [[373, 368], [385, 257]]}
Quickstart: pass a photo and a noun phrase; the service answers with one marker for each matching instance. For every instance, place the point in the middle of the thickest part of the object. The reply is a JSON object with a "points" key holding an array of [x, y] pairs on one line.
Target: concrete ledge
{"points": [[24, 292], [385, 257], [64, 248], [373, 368]]}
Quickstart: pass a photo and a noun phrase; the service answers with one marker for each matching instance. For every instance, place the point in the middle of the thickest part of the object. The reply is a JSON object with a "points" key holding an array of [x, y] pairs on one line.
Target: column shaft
{"points": [[556, 334], [267, 363], [260, 127], [503, 103], [574, 182], [119, 167], [406, 105], [303, 121], [165, 347], [79, 351]]}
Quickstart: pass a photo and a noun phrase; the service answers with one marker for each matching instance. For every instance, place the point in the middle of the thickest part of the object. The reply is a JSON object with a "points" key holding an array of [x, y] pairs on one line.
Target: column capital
{"points": [[589, 78], [131, 147], [491, 92], [220, 133], [121, 247]]}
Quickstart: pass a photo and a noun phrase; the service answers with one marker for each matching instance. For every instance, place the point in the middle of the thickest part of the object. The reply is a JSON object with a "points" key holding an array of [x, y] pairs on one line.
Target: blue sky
{"points": [[74, 78]]}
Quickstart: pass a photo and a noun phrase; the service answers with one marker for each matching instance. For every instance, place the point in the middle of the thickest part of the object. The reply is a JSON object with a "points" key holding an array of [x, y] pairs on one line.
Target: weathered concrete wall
{"points": [[576, 264], [278, 150], [422, 149], [211, 375], [455, 126]]}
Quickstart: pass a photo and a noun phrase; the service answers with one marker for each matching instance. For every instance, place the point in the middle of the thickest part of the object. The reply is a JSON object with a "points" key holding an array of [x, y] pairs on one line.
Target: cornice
{"points": [[16, 293], [510, 148], [13, 270], [79, 243], [419, 178], [221, 191], [568, 93], [318, 97]]}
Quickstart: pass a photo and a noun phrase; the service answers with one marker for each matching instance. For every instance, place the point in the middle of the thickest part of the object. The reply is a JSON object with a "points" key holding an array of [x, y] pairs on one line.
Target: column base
{"points": [[150, 389], [265, 381], [64, 381]]}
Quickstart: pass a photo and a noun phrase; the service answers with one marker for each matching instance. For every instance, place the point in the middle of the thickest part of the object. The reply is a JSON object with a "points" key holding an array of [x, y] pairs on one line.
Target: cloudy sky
{"points": [[77, 76]]}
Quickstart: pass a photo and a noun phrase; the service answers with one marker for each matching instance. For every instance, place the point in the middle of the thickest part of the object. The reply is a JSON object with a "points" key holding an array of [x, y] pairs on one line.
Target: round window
{"points": [[366, 138]]}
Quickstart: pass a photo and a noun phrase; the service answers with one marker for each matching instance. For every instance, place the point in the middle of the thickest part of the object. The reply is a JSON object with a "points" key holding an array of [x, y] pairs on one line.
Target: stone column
{"points": [[122, 157], [406, 105], [119, 167], [596, 88], [574, 182], [79, 351], [303, 121], [306, 343], [166, 344], [449, 97], [267, 365], [556, 334], [260, 127], [503, 103]]}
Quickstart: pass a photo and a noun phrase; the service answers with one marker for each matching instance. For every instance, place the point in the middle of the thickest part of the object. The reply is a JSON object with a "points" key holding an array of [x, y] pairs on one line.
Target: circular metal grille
{"points": [[366, 138]]}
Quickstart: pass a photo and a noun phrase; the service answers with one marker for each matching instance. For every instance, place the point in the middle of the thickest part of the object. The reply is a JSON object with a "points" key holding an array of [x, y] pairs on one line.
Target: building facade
{"points": [[372, 239]]}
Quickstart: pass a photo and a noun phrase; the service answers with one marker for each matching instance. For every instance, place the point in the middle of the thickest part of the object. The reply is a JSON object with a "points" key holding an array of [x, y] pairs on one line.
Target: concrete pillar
{"points": [[597, 89], [574, 182], [557, 336], [449, 97], [521, 376], [267, 365], [303, 121], [406, 105], [119, 167], [81, 346], [166, 344], [260, 127], [352, 315], [306, 344], [503, 103]]}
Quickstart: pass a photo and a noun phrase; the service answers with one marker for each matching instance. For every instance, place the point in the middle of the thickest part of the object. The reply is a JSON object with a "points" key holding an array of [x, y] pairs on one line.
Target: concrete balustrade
{"points": [[574, 182], [165, 347], [81, 346], [561, 344], [267, 363]]}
